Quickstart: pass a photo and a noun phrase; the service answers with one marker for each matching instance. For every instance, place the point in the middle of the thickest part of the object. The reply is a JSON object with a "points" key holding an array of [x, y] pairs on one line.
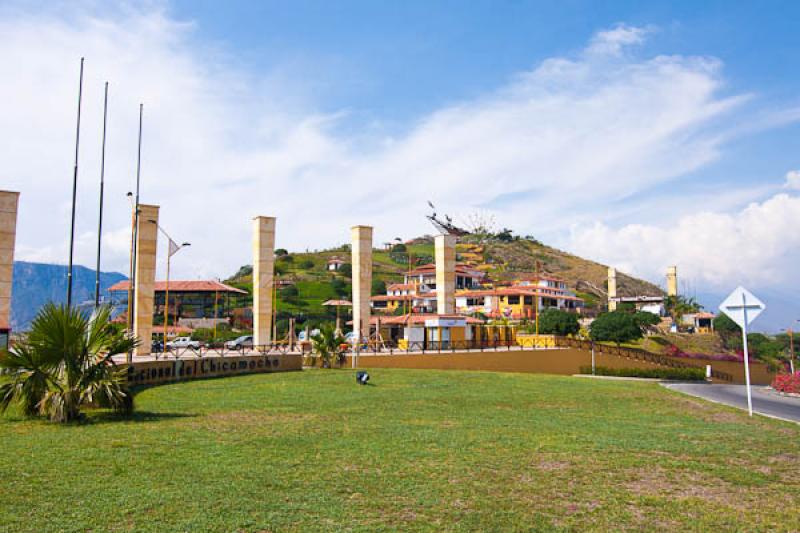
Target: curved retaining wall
{"points": [[166, 370], [563, 361]]}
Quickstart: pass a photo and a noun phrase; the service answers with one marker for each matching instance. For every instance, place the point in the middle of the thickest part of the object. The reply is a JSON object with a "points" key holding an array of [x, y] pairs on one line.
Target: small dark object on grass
{"points": [[362, 377]]}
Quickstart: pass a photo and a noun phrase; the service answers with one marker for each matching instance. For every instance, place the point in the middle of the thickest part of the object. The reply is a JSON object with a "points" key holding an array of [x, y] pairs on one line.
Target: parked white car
{"points": [[245, 341], [183, 342], [302, 335]]}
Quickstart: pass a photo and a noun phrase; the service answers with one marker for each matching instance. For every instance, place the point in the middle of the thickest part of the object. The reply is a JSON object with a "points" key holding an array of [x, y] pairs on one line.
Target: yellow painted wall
{"points": [[536, 341], [549, 361], [566, 361]]}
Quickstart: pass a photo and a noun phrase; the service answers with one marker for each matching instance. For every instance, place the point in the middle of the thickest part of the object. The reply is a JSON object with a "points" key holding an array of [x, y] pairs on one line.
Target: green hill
{"points": [[500, 257]]}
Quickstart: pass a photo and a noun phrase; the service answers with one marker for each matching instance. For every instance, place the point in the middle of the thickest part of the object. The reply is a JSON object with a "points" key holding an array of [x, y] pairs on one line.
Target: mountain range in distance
{"points": [[36, 284]]}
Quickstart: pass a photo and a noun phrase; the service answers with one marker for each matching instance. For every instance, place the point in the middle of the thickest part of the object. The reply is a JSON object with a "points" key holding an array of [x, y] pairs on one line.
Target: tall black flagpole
{"points": [[136, 221], [100, 218], [74, 191]]}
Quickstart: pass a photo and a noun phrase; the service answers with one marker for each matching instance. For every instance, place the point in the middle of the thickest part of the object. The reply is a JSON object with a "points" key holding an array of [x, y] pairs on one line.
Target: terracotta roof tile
{"points": [[183, 286]]}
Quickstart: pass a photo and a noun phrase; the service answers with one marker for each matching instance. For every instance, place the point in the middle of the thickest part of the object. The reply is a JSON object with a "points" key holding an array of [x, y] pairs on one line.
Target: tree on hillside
{"points": [[281, 251], [243, 271], [340, 287], [346, 270], [615, 326], [306, 264], [558, 322], [646, 320], [289, 293], [506, 235], [378, 286], [64, 364]]}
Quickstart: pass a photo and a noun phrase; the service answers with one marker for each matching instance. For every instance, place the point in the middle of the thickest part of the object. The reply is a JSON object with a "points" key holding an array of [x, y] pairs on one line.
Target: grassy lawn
{"points": [[419, 450]]}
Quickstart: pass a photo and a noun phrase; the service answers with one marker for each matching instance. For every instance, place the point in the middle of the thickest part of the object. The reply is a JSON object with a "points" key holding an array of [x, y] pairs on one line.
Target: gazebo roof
{"points": [[337, 303], [183, 286]]}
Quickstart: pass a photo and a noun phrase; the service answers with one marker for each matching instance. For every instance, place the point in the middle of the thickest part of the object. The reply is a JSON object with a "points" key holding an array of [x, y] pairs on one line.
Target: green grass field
{"points": [[418, 450]]}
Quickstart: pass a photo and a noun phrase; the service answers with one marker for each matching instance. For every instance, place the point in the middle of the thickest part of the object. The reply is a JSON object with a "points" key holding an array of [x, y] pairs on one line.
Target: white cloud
{"points": [[793, 180], [757, 245], [553, 148], [613, 41]]}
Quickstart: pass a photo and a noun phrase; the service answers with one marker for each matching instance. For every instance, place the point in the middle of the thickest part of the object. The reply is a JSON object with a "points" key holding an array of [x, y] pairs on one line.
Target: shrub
{"points": [[787, 383], [681, 374], [728, 330], [289, 292], [346, 270], [340, 287], [306, 264], [646, 320], [616, 326], [558, 322]]}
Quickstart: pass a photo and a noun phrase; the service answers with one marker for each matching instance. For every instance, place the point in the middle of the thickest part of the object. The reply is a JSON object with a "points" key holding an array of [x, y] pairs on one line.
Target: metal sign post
{"points": [[742, 307]]}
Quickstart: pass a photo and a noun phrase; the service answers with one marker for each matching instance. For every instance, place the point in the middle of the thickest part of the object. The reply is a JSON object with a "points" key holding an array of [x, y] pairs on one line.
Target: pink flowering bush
{"points": [[787, 383]]}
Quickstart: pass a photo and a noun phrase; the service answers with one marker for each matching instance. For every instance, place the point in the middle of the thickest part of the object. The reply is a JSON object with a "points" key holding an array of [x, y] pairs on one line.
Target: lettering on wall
{"points": [[162, 371]]}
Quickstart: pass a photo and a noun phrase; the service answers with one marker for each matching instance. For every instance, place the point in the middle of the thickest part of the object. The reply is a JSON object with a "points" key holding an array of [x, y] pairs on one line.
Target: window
{"points": [[529, 300], [513, 300]]}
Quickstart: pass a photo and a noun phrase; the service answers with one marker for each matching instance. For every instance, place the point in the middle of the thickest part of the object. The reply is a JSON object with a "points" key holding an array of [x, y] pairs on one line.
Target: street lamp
{"points": [[173, 249]]}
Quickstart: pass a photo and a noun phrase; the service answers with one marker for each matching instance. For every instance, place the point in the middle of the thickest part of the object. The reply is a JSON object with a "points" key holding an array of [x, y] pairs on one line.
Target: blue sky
{"points": [[637, 134], [393, 63], [406, 58]]}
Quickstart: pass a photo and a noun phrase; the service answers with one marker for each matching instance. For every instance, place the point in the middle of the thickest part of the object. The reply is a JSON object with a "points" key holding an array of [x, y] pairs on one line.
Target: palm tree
{"points": [[677, 306], [65, 364], [328, 343]]}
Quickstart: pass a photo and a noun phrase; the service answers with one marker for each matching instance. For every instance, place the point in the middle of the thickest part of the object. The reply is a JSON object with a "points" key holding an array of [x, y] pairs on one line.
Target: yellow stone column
{"points": [[144, 287], [361, 249], [612, 288], [445, 274], [8, 231], [263, 270], [672, 281]]}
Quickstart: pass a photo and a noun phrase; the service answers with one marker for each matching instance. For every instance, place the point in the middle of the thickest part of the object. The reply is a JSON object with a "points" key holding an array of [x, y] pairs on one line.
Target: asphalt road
{"points": [[764, 402]]}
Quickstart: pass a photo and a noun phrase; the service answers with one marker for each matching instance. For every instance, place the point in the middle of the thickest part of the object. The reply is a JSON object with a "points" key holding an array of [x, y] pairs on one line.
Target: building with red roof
{"points": [[189, 300]]}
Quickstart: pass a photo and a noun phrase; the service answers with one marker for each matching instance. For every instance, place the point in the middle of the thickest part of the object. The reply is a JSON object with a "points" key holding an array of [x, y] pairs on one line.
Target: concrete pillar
{"points": [[263, 271], [445, 274], [361, 249], [144, 289], [8, 232], [612, 288], [672, 281]]}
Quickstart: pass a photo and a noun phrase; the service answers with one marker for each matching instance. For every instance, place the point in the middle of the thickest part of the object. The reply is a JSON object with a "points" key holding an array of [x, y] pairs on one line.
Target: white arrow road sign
{"points": [[742, 307]]}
